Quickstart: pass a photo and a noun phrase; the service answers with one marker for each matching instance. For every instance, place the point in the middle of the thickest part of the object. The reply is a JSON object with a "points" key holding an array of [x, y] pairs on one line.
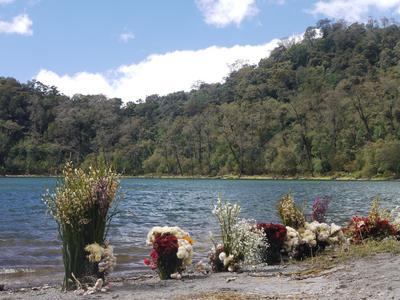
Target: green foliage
{"points": [[325, 106], [380, 158], [81, 207]]}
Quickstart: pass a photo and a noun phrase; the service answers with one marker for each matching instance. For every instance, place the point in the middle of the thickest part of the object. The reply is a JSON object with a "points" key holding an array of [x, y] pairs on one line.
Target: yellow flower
{"points": [[96, 252], [189, 239]]}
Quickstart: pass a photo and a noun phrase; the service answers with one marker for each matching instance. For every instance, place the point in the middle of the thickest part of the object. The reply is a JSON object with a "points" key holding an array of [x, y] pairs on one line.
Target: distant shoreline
{"points": [[229, 177]]}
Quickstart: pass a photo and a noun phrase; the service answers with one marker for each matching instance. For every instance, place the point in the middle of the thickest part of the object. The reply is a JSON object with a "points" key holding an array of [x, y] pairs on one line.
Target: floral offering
{"points": [[312, 238], [172, 251], [83, 205], [275, 236], [376, 226], [289, 213], [242, 241], [102, 257], [361, 228], [319, 209], [220, 261]]}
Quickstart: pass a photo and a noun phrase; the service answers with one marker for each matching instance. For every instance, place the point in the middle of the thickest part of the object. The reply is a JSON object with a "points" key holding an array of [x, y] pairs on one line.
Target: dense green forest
{"points": [[329, 105]]}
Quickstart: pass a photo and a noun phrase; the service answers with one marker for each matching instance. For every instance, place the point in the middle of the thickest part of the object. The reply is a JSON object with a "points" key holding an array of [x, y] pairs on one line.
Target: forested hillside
{"points": [[328, 105]]}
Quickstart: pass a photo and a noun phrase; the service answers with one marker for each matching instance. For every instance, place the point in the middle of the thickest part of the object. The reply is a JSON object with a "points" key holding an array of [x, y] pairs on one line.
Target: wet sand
{"points": [[375, 277]]}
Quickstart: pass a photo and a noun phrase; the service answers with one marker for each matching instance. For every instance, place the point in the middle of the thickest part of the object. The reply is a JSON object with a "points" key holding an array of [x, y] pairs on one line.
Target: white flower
{"points": [[313, 226], [176, 231], [308, 237], [222, 256], [228, 260], [335, 228], [292, 239], [185, 252], [240, 237], [247, 241], [323, 235]]}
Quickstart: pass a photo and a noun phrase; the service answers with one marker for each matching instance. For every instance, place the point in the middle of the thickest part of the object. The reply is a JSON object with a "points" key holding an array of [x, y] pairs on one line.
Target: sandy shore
{"points": [[375, 277]]}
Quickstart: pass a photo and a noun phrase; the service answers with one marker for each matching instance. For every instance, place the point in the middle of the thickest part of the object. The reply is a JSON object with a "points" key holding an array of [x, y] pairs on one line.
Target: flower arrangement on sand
{"points": [[81, 206], [275, 236], [314, 237], [304, 239], [172, 251], [319, 209], [103, 257], [378, 225], [290, 214], [242, 241]]}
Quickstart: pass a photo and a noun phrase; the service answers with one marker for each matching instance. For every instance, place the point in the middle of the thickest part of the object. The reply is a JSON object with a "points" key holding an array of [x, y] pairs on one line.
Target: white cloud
{"points": [[159, 73], [222, 13], [3, 2], [20, 24], [126, 37], [80, 83], [354, 10]]}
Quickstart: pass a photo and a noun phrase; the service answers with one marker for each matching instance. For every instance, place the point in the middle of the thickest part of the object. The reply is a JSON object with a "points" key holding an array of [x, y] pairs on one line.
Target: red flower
{"points": [[274, 233], [154, 255], [165, 244], [361, 228], [165, 247]]}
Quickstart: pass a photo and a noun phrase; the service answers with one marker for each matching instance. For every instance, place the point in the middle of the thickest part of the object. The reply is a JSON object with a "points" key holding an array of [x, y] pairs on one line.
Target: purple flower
{"points": [[319, 209]]}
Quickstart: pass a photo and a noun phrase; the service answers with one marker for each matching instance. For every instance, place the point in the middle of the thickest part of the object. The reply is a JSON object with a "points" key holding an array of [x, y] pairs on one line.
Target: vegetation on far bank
{"points": [[324, 106], [348, 177]]}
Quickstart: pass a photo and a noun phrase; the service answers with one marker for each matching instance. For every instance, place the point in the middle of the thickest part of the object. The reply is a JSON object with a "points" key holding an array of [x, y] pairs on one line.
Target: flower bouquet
{"points": [[102, 257], [361, 228], [172, 251], [312, 238], [319, 209], [242, 241], [290, 214], [275, 236], [376, 226], [83, 205]]}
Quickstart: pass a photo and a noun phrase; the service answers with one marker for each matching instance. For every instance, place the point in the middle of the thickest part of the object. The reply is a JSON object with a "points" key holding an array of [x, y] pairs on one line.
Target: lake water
{"points": [[29, 245]]}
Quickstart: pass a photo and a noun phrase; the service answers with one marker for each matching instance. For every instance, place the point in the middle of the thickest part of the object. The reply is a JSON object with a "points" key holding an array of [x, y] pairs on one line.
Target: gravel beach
{"points": [[375, 277]]}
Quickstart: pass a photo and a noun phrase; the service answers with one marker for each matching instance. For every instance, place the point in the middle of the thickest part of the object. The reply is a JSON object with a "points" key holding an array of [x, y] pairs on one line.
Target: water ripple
{"points": [[29, 240]]}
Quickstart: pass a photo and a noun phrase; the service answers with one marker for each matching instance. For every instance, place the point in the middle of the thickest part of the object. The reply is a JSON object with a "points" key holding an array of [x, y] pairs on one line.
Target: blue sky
{"points": [[133, 48]]}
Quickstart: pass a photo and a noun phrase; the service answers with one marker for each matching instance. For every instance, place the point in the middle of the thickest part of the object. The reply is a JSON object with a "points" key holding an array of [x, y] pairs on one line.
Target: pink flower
{"points": [[154, 255], [146, 262]]}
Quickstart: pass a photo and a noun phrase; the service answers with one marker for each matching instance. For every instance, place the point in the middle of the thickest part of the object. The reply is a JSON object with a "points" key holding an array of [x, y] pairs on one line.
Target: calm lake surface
{"points": [[29, 244]]}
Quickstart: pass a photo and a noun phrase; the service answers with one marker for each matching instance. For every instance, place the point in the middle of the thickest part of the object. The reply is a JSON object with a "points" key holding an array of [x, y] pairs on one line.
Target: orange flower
{"points": [[189, 239]]}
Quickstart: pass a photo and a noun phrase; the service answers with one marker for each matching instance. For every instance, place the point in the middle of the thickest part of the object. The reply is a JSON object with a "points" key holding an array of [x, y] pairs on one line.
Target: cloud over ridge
{"points": [[159, 73]]}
